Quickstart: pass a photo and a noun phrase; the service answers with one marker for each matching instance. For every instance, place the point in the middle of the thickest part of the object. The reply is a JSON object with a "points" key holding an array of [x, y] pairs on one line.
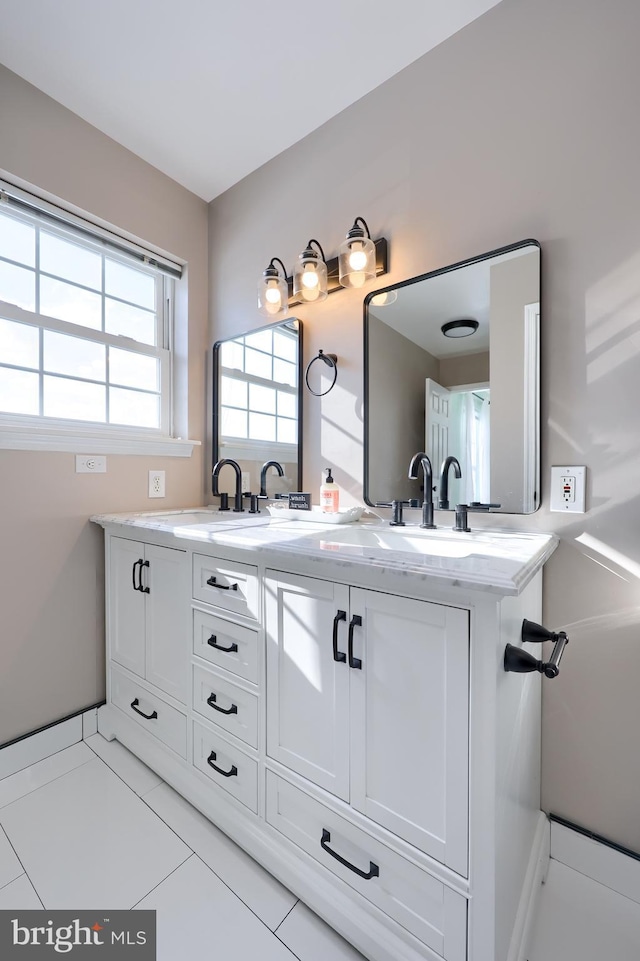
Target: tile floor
{"points": [[92, 827]]}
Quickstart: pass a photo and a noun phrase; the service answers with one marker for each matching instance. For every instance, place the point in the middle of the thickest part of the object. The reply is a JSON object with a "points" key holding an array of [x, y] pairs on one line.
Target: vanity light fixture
{"points": [[357, 256], [460, 328], [310, 275], [273, 290]]}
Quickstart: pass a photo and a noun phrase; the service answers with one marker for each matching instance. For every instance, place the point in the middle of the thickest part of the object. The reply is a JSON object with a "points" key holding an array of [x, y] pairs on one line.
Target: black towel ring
{"points": [[330, 360]]}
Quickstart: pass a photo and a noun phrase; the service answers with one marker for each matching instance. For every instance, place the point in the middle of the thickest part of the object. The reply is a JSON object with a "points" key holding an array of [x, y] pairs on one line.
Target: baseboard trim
{"points": [[528, 904], [597, 858], [30, 748]]}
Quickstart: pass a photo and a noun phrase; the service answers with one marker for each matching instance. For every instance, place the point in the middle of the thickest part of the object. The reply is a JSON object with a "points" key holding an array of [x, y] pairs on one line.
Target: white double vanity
{"points": [[334, 699]]}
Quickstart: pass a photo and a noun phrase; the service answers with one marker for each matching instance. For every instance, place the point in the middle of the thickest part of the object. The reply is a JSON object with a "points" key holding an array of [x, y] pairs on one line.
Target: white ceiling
{"points": [[209, 90]]}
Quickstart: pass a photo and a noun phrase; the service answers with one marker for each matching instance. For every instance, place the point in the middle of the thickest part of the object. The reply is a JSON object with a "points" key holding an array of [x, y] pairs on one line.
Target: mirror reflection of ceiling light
{"points": [[460, 328]]}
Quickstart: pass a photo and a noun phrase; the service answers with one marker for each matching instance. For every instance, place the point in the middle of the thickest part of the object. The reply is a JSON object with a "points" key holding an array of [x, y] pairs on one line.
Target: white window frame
{"points": [[37, 432]]}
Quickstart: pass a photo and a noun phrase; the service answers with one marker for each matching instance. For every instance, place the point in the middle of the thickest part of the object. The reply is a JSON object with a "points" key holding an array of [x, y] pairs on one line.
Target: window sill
{"points": [[85, 440]]}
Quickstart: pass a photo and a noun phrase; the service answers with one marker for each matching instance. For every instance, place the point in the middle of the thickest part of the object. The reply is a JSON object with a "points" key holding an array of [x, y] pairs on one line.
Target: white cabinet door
{"points": [[409, 721], [167, 628], [126, 605], [149, 613], [308, 679]]}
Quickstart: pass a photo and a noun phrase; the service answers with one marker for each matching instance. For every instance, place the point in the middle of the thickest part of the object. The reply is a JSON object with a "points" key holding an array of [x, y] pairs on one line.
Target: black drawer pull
{"points": [[145, 590], [211, 701], [338, 656], [147, 717], [356, 621], [213, 642], [138, 586], [232, 773], [373, 872], [211, 581]]}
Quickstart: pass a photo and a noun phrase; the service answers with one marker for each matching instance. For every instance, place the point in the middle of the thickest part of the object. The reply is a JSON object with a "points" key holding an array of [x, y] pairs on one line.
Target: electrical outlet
{"points": [[90, 464], [568, 489], [156, 483]]}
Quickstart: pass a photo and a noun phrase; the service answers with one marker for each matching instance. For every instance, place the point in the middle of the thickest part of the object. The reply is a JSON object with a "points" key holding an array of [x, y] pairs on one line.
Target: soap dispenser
{"points": [[329, 493]]}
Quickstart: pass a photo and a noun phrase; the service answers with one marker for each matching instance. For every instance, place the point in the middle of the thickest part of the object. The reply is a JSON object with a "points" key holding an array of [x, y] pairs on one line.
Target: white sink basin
{"points": [[201, 518]]}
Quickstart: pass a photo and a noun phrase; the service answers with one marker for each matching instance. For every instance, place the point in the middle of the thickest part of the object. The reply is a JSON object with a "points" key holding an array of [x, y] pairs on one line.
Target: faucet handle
{"points": [[479, 506], [396, 520], [462, 523], [224, 501]]}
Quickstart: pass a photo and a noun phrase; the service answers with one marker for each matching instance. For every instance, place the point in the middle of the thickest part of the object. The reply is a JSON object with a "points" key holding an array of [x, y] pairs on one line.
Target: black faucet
{"points": [[443, 499], [263, 475], [214, 477], [421, 460]]}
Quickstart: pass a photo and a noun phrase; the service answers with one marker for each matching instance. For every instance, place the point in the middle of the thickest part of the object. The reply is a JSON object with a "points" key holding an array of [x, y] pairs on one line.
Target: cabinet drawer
{"points": [[168, 724], [228, 645], [226, 704], [230, 586], [419, 902], [233, 771]]}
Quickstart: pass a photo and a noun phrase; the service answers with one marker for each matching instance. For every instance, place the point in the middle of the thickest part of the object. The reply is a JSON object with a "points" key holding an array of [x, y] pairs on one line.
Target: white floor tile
{"points": [[253, 885], [86, 841], [10, 867], [311, 939], [199, 918], [126, 765], [581, 920], [31, 778], [19, 896]]}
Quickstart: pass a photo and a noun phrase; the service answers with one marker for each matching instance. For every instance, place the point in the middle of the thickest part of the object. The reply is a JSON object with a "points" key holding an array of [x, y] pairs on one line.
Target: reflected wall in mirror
{"points": [[257, 412], [470, 390]]}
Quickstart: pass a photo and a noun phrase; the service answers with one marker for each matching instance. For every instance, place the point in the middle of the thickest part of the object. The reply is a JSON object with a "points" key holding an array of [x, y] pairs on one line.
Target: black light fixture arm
{"points": [[364, 223], [521, 662], [277, 260], [318, 245]]}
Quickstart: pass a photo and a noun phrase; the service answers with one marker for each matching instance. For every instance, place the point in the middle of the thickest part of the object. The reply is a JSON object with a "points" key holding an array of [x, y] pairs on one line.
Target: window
{"points": [[259, 392], [85, 330]]}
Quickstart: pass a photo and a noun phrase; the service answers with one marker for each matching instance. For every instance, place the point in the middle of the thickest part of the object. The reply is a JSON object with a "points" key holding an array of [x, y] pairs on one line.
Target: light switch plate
{"points": [[568, 489]]}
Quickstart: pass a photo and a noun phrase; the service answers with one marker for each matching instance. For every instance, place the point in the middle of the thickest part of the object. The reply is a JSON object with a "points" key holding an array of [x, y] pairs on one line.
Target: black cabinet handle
{"points": [[232, 773], [138, 586], [213, 642], [373, 872], [338, 655], [356, 621], [147, 717], [211, 701], [145, 590], [211, 581]]}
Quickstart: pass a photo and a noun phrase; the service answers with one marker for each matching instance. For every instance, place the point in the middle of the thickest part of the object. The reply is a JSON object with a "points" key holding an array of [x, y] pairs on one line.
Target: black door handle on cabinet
{"points": [[145, 590], [211, 701], [138, 586], [339, 656], [373, 872], [356, 621], [232, 773], [211, 581], [147, 717], [213, 642]]}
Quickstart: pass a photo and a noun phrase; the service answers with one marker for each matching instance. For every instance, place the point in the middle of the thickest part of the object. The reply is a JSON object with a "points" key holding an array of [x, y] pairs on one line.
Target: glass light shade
{"points": [[356, 260], [310, 277], [273, 293]]}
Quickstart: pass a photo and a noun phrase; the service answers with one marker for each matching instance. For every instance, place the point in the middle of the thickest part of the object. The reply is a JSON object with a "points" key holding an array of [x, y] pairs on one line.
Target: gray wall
{"points": [[397, 386], [522, 125], [514, 283], [51, 557], [464, 369]]}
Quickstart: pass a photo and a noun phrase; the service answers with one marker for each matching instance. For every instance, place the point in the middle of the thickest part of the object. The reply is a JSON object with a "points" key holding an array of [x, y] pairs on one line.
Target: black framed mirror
{"points": [[257, 408], [451, 367]]}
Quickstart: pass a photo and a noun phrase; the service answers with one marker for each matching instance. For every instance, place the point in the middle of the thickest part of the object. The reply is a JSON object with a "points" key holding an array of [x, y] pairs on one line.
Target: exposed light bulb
{"points": [[357, 261], [272, 294], [357, 278], [310, 293], [310, 277]]}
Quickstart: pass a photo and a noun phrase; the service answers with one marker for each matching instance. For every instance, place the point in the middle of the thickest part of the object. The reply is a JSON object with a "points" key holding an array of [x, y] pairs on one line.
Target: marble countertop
{"points": [[498, 561]]}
